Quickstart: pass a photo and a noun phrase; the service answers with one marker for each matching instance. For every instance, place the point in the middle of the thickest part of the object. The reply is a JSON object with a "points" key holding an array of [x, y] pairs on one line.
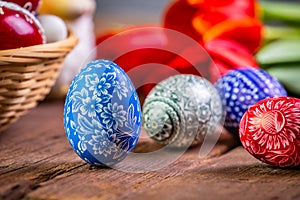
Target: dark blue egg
{"points": [[102, 114], [240, 89]]}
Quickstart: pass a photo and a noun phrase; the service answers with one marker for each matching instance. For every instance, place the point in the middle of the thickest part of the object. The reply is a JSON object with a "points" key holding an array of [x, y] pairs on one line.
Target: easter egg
{"points": [[242, 88], [30, 5], [18, 27], [54, 27], [270, 131], [66, 9], [102, 114], [181, 110]]}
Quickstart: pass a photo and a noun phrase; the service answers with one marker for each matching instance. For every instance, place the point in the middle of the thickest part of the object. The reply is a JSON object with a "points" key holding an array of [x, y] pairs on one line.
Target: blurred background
{"points": [[275, 46], [279, 53], [117, 13]]}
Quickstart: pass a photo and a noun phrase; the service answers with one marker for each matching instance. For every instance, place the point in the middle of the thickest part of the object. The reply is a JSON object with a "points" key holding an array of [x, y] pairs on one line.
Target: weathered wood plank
{"points": [[34, 150], [36, 162], [235, 175]]}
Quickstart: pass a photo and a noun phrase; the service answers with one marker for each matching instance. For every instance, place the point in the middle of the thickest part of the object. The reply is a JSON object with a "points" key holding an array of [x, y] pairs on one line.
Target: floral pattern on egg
{"points": [[102, 114], [270, 131], [182, 110]]}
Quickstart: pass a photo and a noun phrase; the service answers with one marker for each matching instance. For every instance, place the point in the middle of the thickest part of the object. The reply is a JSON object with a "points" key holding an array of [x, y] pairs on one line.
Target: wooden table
{"points": [[38, 163]]}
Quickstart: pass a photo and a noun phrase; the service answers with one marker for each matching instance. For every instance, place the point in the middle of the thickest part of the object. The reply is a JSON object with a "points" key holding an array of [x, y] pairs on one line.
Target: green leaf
{"points": [[281, 32], [281, 10], [279, 51], [288, 75]]}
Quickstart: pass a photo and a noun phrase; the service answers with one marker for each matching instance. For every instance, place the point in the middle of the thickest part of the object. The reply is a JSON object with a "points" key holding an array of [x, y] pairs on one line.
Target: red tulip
{"points": [[222, 56], [191, 60], [179, 16], [208, 17], [141, 51], [248, 32], [217, 58], [134, 46], [228, 55], [209, 3], [152, 54], [230, 8], [214, 19], [230, 52]]}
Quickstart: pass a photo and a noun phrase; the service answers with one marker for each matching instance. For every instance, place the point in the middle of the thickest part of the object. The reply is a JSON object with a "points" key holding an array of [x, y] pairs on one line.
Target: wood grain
{"points": [[38, 163]]}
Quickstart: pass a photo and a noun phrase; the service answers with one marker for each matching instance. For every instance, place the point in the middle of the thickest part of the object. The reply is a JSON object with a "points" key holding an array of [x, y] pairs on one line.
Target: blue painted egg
{"points": [[240, 89], [102, 114]]}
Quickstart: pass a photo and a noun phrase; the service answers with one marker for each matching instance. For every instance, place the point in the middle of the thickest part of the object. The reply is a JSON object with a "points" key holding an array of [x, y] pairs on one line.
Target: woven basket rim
{"points": [[36, 53], [71, 37]]}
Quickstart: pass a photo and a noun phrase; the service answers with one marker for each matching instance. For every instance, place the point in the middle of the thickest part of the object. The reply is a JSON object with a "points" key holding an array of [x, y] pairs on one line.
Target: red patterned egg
{"points": [[31, 5], [270, 131], [18, 27]]}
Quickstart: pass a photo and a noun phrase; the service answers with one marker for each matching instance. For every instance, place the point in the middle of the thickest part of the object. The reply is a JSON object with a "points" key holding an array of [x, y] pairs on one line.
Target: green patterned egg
{"points": [[181, 110]]}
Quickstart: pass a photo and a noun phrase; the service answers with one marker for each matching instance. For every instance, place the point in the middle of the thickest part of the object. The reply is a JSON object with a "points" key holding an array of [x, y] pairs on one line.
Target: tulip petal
{"points": [[228, 55], [178, 16], [215, 3], [247, 31], [230, 52], [228, 7], [204, 21], [197, 63]]}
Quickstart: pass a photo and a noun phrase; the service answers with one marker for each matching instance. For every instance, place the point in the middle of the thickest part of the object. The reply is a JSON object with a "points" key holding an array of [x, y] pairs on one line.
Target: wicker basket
{"points": [[27, 75]]}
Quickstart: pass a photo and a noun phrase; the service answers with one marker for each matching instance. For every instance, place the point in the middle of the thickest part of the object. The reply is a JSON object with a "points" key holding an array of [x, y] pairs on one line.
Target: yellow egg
{"points": [[67, 9]]}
